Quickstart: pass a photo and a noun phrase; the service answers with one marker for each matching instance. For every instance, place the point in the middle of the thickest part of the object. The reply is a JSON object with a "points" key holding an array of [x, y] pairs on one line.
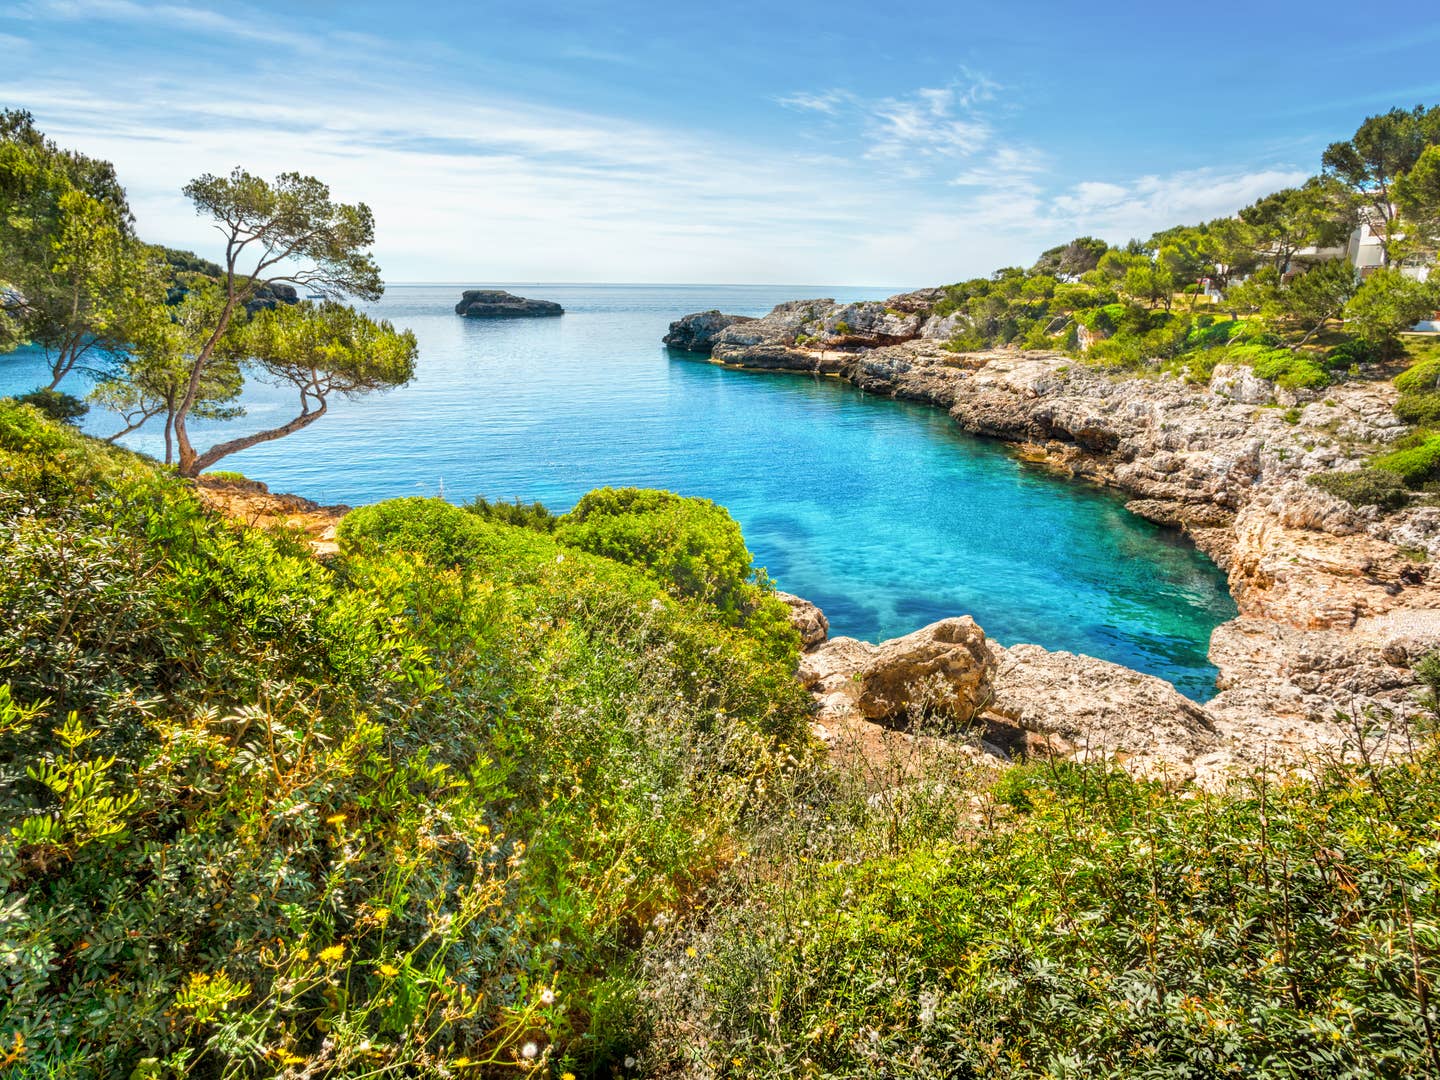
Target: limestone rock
{"points": [[696, 333], [1097, 708], [946, 666], [807, 618], [499, 304]]}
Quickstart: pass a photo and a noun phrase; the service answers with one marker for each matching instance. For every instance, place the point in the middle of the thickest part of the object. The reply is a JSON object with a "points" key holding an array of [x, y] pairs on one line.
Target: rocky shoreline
{"points": [[1335, 603]]}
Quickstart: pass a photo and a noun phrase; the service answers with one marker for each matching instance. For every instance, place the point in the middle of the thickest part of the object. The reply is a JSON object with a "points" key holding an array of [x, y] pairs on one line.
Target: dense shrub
{"points": [[1076, 923], [526, 515], [1364, 487], [692, 545], [1415, 459], [55, 404], [402, 814]]}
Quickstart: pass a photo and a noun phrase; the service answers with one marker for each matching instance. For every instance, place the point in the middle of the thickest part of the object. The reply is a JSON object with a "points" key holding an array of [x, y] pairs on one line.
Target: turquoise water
{"points": [[881, 512]]}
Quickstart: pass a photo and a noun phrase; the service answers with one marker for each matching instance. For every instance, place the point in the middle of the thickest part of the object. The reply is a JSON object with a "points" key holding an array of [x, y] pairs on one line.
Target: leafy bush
{"points": [[55, 404], [402, 814], [525, 515], [1364, 487], [692, 545], [1074, 922], [1416, 458]]}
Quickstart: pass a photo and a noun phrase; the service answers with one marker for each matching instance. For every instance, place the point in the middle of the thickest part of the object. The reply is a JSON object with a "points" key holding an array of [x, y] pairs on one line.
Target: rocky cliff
{"points": [[1335, 603], [499, 304]]}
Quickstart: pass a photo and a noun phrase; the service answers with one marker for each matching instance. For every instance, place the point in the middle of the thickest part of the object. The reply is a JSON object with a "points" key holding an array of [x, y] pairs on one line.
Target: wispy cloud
{"points": [[930, 122]]}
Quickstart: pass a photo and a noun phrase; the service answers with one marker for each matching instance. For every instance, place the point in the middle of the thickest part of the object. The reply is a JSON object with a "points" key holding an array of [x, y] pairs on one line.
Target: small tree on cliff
{"points": [[290, 232]]}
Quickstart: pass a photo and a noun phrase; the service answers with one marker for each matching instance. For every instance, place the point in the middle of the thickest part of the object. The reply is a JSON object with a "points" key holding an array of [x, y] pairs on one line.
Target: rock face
{"points": [[269, 297], [1081, 705], [1335, 602], [499, 304], [696, 333]]}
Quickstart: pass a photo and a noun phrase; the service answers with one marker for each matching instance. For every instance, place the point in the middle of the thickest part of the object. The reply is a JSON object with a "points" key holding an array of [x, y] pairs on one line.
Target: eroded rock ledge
{"points": [[499, 304], [1335, 603]]}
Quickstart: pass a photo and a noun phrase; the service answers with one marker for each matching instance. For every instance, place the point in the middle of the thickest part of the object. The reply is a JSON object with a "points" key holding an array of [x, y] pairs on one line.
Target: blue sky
{"points": [[895, 144]]}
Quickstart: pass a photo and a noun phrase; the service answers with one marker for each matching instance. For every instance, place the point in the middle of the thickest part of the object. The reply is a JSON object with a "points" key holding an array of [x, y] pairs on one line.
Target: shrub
{"points": [[691, 545], [380, 817], [1415, 460], [1081, 923], [55, 404], [525, 515], [1364, 487]]}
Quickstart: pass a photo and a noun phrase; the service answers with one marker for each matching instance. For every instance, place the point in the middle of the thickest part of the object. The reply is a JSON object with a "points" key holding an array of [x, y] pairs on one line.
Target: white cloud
{"points": [[1149, 203]]}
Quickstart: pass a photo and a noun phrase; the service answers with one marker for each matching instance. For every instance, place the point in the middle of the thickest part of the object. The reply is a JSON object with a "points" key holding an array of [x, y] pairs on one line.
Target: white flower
{"points": [[547, 996], [629, 1062], [529, 1050]]}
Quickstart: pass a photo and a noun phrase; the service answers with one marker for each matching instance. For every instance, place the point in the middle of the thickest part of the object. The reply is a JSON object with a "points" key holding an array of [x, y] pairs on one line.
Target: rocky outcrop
{"points": [[807, 619], [269, 297], [1335, 602], [696, 333], [253, 503], [1066, 704], [499, 304], [1015, 702]]}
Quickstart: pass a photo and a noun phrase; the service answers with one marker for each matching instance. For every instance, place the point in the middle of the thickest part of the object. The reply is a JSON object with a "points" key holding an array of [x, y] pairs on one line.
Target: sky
{"points": [[840, 143]]}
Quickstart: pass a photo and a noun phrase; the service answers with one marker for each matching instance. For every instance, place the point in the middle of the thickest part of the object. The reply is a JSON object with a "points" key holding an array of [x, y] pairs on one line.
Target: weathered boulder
{"points": [[807, 619], [499, 304], [696, 333], [947, 667]]}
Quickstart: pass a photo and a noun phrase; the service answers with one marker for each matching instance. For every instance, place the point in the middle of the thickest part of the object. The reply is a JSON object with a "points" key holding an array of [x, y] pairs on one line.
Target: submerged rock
{"points": [[499, 304], [696, 333]]}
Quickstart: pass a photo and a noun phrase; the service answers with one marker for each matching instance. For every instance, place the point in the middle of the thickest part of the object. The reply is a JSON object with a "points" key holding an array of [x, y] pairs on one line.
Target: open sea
{"points": [[881, 512]]}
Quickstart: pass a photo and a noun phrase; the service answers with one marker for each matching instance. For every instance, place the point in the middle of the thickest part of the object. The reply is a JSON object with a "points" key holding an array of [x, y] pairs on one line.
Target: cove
{"points": [[882, 512]]}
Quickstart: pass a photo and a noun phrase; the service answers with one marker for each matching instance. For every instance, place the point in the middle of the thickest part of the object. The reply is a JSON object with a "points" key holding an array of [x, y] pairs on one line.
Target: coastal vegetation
{"points": [[171, 335], [493, 791], [472, 799]]}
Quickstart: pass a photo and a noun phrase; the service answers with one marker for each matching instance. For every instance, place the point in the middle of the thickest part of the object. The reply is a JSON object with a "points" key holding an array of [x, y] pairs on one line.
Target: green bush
{"points": [[1364, 487], [526, 515], [1077, 923], [385, 816], [1415, 460], [55, 404], [691, 545]]}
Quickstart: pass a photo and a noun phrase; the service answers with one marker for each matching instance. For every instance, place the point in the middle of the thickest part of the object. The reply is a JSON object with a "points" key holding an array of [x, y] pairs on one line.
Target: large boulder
{"points": [[696, 333], [499, 304], [947, 667]]}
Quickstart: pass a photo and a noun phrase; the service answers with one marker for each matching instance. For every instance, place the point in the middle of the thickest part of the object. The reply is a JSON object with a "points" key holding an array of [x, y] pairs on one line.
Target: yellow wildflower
{"points": [[690, 952], [335, 819], [334, 954], [389, 970]]}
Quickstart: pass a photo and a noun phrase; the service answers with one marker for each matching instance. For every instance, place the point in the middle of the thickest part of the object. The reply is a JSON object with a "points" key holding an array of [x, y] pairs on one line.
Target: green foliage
{"points": [[1386, 304], [691, 545], [526, 515], [384, 816], [1364, 487], [55, 404], [1074, 922], [1416, 458]]}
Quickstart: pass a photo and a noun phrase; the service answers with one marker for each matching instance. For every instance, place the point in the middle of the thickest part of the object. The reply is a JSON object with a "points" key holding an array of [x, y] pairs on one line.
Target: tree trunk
{"points": [[169, 436], [188, 456], [198, 463]]}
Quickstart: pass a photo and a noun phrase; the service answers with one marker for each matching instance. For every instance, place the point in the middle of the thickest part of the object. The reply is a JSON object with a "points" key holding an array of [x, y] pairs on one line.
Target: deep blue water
{"points": [[881, 512]]}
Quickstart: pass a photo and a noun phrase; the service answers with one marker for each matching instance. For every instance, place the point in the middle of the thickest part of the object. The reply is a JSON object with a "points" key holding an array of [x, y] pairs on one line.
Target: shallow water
{"points": [[881, 512]]}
